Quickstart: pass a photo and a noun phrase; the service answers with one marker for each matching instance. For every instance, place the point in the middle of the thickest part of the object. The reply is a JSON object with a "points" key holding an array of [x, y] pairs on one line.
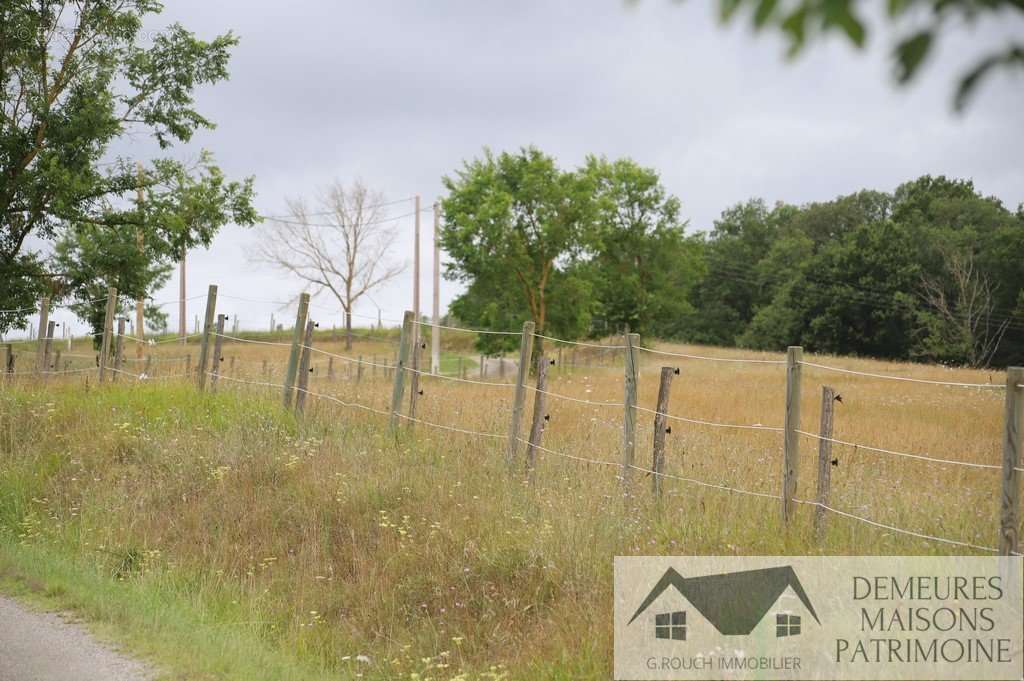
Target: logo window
{"points": [[787, 625], [670, 625]]}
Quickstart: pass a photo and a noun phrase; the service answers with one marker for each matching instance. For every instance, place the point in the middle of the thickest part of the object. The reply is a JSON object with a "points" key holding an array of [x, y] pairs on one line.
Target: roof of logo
{"points": [[733, 602]]}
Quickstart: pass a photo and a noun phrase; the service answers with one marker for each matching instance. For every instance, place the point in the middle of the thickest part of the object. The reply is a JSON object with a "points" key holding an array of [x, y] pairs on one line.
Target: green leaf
{"points": [[728, 8], [910, 53], [764, 12]]}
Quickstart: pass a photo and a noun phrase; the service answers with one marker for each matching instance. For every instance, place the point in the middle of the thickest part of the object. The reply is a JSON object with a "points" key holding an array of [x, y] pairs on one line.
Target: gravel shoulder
{"points": [[38, 646]]}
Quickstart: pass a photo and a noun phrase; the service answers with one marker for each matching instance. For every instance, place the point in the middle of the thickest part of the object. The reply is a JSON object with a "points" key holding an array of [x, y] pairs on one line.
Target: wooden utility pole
{"points": [[828, 400], [1009, 511], [208, 328], [301, 316], [400, 363], [304, 369], [629, 414], [108, 330], [537, 425], [218, 354], [435, 332], [414, 359], [44, 317], [182, 312], [661, 429], [140, 240], [525, 354], [791, 442]]}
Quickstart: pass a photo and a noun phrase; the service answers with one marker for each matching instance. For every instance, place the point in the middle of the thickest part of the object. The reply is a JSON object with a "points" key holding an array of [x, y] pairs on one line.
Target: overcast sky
{"points": [[400, 93]]}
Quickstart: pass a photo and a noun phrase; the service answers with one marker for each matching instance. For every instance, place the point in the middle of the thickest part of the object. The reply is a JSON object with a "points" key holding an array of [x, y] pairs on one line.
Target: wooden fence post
{"points": [[791, 442], [204, 345], [293, 359], [56, 361], [218, 353], [1009, 541], [44, 321], [119, 350], [108, 331], [828, 400], [661, 429], [629, 415], [47, 346], [414, 384], [330, 368], [8, 361], [399, 368], [525, 354], [304, 369], [537, 426]]}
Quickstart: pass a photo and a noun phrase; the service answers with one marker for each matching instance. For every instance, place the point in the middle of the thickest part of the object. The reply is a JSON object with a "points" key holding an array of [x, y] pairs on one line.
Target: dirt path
{"points": [[45, 647]]}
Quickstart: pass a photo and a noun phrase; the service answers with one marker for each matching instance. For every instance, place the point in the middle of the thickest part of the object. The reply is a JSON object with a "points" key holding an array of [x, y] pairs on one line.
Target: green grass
{"points": [[223, 538]]}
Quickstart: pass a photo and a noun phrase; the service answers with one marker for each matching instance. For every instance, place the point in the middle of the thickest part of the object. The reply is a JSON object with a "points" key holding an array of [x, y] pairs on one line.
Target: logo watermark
{"points": [[819, 617]]}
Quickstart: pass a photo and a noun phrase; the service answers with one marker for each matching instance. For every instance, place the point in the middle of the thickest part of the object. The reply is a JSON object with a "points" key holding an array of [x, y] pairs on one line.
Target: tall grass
{"points": [[333, 547]]}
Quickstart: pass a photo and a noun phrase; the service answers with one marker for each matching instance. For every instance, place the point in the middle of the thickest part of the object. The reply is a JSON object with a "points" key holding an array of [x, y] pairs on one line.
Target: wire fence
{"points": [[46, 363]]}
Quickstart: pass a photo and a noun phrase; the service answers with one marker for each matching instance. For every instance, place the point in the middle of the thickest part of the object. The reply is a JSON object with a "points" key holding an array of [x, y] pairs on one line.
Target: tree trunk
{"points": [[348, 330]]}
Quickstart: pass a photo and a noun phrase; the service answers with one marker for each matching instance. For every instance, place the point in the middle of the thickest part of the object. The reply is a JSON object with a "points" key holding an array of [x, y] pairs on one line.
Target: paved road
{"points": [[45, 647]]}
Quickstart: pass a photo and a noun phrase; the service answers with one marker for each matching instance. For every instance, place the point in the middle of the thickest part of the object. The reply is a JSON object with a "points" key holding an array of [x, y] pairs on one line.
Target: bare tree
{"points": [[965, 303], [340, 248]]}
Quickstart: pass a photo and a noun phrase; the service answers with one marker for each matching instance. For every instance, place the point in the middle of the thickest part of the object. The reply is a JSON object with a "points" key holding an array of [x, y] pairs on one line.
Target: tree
{"points": [[514, 225], [341, 249], [964, 325], [641, 264], [91, 256], [74, 80], [917, 23]]}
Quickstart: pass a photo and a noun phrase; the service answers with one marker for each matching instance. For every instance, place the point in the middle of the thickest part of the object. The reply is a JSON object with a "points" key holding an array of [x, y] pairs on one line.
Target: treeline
{"points": [[933, 271]]}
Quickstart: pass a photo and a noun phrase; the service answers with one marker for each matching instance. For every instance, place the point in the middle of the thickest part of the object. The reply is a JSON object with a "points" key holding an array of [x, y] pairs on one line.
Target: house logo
{"points": [[734, 603], [806, 618]]}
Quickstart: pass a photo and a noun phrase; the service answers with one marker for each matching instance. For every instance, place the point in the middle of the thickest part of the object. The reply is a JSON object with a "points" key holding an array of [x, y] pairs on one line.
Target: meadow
{"points": [[225, 537]]}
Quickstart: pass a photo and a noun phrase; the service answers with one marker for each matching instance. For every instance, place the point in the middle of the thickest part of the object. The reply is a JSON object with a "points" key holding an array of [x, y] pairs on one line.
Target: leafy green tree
{"points": [[514, 225], [642, 266], [92, 256], [75, 78], [730, 293]]}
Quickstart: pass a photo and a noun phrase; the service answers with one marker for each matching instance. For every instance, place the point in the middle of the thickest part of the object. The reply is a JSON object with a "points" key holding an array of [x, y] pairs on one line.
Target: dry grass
{"points": [[421, 553]]}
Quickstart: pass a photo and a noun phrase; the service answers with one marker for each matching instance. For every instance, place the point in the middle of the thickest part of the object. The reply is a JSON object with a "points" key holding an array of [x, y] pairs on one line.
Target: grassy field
{"points": [[224, 538]]}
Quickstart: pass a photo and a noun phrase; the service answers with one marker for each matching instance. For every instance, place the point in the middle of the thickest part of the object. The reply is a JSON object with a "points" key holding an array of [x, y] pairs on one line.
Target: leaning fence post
{"points": [[119, 350], [218, 353], [304, 369], [108, 330], [204, 346], [828, 400], [399, 368], [629, 415], [661, 429], [44, 317], [537, 425], [293, 358], [791, 443], [1009, 541], [525, 353]]}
